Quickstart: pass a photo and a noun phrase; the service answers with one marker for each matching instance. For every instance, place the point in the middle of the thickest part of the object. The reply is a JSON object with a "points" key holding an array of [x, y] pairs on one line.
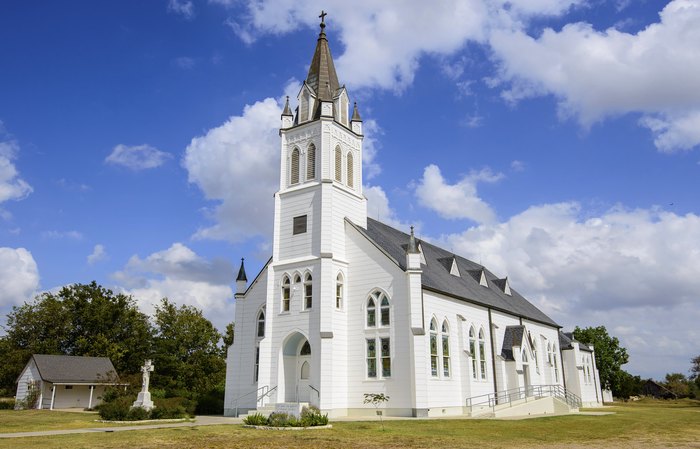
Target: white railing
{"points": [[261, 393], [532, 392]]}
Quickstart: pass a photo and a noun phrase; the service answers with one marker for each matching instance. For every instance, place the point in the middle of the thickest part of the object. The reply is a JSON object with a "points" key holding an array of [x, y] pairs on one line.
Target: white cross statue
{"points": [[146, 369]]}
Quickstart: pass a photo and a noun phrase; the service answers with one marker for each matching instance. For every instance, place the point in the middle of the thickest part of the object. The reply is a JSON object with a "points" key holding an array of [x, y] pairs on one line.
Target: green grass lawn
{"points": [[37, 420], [645, 424]]}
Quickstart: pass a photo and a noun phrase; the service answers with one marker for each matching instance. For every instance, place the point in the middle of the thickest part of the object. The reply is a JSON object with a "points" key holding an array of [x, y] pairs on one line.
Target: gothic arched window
{"points": [[339, 291], [377, 334], [338, 164], [445, 349], [482, 354], [308, 291], [286, 293], [371, 313], [294, 179], [472, 351], [311, 162], [350, 170], [433, 348], [261, 323]]}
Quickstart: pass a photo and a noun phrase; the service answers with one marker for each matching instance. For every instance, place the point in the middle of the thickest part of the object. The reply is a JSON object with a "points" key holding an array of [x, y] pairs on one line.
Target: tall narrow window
{"points": [[286, 293], [472, 351], [433, 349], [350, 170], [295, 167], [311, 162], [371, 357], [482, 353], [261, 323], [386, 357], [554, 362], [445, 349], [385, 311], [305, 348], [257, 364], [371, 313], [339, 291], [338, 164], [308, 291]]}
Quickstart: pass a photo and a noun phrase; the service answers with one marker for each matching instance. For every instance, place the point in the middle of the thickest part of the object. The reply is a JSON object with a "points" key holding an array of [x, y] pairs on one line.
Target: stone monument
{"points": [[144, 398]]}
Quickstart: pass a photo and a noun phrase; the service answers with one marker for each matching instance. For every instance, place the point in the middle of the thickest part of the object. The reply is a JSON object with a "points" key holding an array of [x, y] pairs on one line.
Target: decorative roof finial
{"points": [[287, 110], [323, 23], [412, 245], [356, 118]]}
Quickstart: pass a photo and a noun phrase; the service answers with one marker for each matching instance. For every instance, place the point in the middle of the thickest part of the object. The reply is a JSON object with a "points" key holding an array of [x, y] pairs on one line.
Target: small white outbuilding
{"points": [[64, 381]]}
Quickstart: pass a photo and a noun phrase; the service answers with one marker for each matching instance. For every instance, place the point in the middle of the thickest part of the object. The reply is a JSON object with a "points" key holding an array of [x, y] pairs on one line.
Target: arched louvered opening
{"points": [[338, 164], [350, 169], [311, 162], [294, 179]]}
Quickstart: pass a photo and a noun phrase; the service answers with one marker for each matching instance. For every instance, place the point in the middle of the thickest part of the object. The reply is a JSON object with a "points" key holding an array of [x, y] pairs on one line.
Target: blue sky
{"points": [[139, 147]]}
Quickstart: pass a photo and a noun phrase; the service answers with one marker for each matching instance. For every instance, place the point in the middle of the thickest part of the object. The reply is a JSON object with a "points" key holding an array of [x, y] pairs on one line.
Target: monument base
{"points": [[143, 400]]}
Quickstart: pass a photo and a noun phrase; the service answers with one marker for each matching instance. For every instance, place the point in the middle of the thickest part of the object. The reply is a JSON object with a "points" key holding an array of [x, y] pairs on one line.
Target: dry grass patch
{"points": [[654, 424]]}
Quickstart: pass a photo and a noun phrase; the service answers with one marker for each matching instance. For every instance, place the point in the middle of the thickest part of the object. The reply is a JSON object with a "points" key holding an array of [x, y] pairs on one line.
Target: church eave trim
{"points": [[489, 307], [262, 270]]}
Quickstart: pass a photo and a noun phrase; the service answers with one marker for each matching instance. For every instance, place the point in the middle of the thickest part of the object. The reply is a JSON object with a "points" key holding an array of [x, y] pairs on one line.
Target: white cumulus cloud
{"points": [[597, 74], [19, 276], [98, 254], [12, 187], [138, 157], [184, 277], [458, 200]]}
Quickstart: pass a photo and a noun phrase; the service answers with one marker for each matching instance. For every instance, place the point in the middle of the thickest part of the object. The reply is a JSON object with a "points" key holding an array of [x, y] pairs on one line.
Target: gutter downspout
{"points": [[561, 361], [493, 356], [596, 375], [92, 388]]}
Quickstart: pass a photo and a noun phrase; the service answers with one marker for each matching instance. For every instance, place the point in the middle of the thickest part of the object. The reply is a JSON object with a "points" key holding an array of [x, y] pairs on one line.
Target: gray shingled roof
{"points": [[513, 336], [67, 369], [436, 274], [566, 338]]}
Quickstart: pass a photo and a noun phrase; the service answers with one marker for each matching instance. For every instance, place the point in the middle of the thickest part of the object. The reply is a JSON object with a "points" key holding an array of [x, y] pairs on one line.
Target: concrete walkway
{"points": [[198, 421]]}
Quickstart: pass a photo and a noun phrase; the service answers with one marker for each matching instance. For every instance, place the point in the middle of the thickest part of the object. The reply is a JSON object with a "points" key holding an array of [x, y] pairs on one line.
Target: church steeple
{"points": [[322, 77]]}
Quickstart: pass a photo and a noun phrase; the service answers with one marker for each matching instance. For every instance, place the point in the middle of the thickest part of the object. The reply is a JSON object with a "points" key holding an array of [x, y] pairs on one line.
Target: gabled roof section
{"points": [[503, 285], [436, 275], [479, 276], [74, 369], [513, 336], [322, 77], [566, 338], [241, 273]]}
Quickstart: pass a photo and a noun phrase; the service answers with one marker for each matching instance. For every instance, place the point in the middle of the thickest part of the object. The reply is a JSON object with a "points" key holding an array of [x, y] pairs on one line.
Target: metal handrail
{"points": [[490, 400], [318, 393], [266, 391]]}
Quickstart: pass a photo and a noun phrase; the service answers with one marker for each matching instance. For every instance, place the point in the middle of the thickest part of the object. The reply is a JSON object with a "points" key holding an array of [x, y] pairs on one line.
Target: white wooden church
{"points": [[347, 305]]}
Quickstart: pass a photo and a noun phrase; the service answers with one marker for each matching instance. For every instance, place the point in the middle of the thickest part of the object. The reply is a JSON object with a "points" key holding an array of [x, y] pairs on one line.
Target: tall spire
{"points": [[412, 245], [322, 77], [241, 273]]}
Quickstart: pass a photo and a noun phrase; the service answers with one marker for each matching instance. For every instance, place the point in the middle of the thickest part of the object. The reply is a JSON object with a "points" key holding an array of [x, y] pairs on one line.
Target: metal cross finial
{"points": [[323, 16]]}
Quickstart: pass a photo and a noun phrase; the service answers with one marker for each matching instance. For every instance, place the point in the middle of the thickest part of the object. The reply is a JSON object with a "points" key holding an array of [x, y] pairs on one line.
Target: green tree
{"points": [[628, 385], [84, 320], [187, 357], [609, 356], [228, 336], [677, 384]]}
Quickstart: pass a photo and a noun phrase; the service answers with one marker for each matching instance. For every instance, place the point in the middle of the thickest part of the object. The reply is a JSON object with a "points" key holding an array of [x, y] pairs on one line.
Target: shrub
{"points": [[278, 420], [7, 405], [137, 414], [311, 416], [256, 419], [171, 408], [115, 410]]}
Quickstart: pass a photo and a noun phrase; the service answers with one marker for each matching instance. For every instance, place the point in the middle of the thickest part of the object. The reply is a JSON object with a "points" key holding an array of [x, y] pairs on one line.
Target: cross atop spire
{"points": [[323, 17]]}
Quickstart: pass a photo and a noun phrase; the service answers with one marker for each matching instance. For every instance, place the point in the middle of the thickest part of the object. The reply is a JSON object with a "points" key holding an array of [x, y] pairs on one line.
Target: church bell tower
{"points": [[321, 165]]}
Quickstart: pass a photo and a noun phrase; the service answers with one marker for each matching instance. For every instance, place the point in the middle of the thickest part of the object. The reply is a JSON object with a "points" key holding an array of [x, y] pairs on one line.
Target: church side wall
{"points": [[541, 334], [505, 371], [448, 394], [370, 269], [240, 360]]}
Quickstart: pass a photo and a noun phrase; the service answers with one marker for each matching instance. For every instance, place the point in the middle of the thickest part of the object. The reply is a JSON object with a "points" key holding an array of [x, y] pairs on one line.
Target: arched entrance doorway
{"points": [[296, 353]]}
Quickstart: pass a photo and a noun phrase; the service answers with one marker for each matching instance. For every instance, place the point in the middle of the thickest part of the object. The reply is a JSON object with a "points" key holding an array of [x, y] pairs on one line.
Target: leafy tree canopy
{"points": [[83, 320], [187, 356], [609, 356]]}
